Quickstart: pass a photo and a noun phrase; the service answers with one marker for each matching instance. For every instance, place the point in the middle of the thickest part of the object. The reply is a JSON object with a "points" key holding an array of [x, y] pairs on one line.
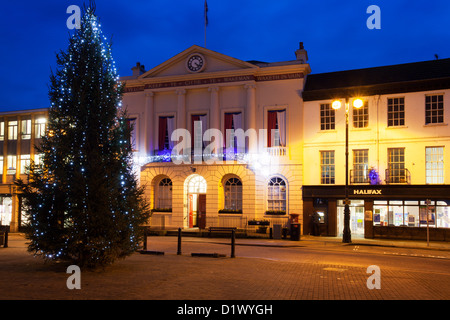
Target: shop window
{"points": [[411, 213]]}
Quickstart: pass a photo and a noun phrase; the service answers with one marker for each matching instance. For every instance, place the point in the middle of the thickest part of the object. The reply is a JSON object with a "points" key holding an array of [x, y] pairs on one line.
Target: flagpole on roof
{"points": [[206, 18]]}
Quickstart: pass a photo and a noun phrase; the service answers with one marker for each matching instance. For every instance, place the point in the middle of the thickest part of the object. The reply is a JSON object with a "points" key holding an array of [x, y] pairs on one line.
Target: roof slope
{"points": [[426, 75]]}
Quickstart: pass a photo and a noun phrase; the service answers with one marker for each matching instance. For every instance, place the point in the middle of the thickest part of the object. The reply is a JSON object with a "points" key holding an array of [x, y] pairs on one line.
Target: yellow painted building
{"points": [[20, 131]]}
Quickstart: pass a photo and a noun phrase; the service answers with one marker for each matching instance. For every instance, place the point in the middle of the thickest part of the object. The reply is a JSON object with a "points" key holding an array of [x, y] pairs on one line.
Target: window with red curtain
{"points": [[162, 132], [271, 126], [228, 125]]}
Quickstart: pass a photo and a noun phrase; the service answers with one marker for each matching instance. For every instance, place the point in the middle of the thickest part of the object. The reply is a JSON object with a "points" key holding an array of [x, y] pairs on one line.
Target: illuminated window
{"points": [[396, 112], [24, 163], [132, 126], [361, 116], [327, 173], [326, 117], [396, 165], [12, 130], [233, 194], [197, 184], [360, 173], [25, 129], [434, 109], [11, 164], [2, 130], [276, 195], [39, 126], [164, 194], [434, 157]]}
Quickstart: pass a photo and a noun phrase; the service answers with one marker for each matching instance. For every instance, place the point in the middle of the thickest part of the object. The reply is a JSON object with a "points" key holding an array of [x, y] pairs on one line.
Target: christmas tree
{"points": [[83, 200]]}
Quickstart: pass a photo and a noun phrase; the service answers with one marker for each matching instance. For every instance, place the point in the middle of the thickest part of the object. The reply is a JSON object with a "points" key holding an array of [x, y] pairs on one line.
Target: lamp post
{"points": [[336, 105]]}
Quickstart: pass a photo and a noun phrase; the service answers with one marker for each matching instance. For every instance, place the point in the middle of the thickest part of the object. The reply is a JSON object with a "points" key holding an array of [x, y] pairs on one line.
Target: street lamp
{"points": [[357, 103]]}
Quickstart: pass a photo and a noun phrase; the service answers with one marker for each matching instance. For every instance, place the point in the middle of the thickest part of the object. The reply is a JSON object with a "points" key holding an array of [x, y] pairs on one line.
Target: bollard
{"points": [[145, 238], [179, 242], [5, 244], [233, 238]]}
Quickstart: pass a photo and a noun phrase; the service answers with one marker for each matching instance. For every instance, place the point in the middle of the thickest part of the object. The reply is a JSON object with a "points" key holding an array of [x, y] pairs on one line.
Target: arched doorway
{"points": [[196, 187]]}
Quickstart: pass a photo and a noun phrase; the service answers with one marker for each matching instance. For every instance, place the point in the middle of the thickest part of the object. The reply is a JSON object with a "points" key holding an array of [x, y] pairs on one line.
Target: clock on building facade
{"points": [[196, 63]]}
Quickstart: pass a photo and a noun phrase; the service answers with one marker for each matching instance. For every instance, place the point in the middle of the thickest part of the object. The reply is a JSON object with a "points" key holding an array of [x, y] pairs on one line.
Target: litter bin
{"points": [[295, 231], [277, 231]]}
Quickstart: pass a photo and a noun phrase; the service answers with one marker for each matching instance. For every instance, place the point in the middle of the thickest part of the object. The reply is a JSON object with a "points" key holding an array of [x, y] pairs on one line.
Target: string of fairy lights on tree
{"points": [[84, 201]]}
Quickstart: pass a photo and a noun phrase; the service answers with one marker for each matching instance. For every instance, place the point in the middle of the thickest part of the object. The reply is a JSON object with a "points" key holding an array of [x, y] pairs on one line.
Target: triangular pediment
{"points": [[213, 62]]}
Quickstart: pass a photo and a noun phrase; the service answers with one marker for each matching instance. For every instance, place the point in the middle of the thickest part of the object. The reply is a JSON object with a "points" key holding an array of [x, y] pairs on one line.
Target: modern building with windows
{"points": [[20, 132], [219, 140], [398, 148]]}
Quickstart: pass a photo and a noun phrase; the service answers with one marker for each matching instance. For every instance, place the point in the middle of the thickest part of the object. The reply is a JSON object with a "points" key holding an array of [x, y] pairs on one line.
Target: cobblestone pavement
{"points": [[262, 270]]}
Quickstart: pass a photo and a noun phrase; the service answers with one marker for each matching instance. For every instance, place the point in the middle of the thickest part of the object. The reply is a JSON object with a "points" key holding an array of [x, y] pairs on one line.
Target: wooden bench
{"points": [[221, 230]]}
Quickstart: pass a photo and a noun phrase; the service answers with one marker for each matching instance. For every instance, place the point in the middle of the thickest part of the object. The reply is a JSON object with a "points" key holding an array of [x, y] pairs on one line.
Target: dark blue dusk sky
{"points": [[151, 31]]}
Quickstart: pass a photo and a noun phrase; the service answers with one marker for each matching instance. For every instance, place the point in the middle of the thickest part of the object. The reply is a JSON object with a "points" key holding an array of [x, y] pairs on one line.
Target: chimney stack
{"points": [[301, 54], [138, 69]]}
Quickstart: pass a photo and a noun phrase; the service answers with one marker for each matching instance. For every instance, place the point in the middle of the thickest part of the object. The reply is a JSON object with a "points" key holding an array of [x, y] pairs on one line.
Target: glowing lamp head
{"points": [[336, 104], [358, 103]]}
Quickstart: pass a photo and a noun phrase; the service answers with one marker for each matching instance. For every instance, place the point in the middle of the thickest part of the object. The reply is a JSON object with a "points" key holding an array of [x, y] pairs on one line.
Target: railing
{"points": [[359, 176], [401, 175], [277, 151]]}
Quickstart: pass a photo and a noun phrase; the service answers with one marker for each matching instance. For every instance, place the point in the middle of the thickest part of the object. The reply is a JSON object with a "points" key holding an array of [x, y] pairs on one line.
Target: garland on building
{"points": [[83, 201]]}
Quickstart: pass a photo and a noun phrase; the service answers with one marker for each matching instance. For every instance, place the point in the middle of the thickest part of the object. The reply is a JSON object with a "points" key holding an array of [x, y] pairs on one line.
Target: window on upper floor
{"points": [[360, 172], [327, 117], [2, 130], [361, 116], [39, 126], [327, 169], [25, 129], [276, 128], [434, 163], [165, 129], [198, 128], [133, 138], [434, 109], [396, 112], [232, 122], [397, 172], [12, 130]]}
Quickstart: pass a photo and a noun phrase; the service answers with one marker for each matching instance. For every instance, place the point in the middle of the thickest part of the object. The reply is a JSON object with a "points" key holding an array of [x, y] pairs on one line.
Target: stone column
{"points": [[181, 109], [215, 113], [149, 130], [250, 114]]}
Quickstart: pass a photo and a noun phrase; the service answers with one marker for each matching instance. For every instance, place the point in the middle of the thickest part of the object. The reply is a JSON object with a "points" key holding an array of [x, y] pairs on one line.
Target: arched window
{"points": [[276, 195], [233, 194], [197, 184], [164, 194]]}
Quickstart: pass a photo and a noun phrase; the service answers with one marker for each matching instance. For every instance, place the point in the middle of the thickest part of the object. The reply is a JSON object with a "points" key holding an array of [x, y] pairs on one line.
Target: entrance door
{"points": [[202, 211], [356, 217]]}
